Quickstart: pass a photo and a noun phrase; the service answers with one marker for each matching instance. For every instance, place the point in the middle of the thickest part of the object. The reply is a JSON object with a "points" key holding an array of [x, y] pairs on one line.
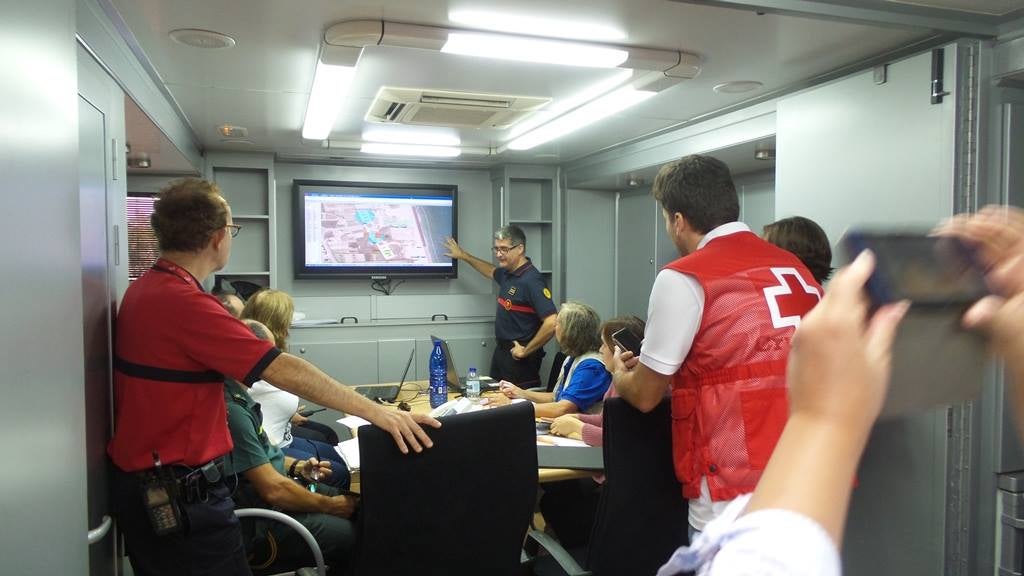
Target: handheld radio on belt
{"points": [[160, 498]]}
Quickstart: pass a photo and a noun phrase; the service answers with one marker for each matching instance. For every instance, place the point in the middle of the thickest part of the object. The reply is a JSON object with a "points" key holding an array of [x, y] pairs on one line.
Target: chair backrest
{"points": [[461, 507], [556, 369], [642, 515]]}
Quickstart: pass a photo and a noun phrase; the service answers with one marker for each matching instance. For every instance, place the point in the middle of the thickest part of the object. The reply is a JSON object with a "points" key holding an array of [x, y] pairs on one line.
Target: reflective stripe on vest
{"points": [[508, 305]]}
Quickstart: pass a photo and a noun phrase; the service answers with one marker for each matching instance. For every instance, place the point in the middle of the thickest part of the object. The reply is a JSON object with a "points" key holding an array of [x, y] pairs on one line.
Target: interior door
{"points": [[101, 136], [636, 230]]}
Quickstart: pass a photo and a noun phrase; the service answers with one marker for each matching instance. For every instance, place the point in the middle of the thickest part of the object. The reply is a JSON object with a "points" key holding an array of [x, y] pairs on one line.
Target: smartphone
{"points": [[310, 412], [543, 427], [930, 271], [626, 340]]}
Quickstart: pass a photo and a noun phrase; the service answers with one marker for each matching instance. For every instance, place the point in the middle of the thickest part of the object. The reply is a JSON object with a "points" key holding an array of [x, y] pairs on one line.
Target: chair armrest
{"points": [[306, 535], [554, 548]]}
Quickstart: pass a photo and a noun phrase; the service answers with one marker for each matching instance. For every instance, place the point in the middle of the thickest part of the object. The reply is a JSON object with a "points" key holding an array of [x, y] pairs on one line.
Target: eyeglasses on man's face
{"points": [[504, 249], [234, 229]]}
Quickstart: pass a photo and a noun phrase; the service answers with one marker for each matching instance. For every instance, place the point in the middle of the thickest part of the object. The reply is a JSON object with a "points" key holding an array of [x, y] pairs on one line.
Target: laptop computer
{"points": [[456, 381], [386, 392]]}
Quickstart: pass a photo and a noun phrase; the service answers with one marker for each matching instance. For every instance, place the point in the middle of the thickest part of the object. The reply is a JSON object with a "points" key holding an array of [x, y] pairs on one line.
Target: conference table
{"points": [[554, 462]]}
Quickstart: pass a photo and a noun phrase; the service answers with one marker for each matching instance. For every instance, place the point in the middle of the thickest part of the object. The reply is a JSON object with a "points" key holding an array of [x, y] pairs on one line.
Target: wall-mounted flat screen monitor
{"points": [[371, 230]]}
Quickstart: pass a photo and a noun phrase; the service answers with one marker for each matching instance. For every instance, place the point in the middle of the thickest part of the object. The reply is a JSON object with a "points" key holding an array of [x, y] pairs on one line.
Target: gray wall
{"points": [[853, 152], [43, 511], [474, 205], [590, 249], [757, 199]]}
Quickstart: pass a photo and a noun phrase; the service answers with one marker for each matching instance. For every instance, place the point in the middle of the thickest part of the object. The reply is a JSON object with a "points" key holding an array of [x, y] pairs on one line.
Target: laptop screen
{"points": [[453, 372]]}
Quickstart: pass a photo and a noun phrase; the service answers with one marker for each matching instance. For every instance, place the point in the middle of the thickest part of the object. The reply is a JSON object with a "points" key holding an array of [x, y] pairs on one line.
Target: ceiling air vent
{"points": [[456, 109]]}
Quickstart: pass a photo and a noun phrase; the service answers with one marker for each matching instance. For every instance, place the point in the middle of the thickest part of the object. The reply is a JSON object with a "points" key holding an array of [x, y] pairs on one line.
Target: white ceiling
{"points": [[263, 82]]}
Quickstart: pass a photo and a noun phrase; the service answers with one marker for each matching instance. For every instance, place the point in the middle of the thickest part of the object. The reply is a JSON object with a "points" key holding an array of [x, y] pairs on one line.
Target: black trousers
{"points": [[524, 373], [210, 544], [569, 508]]}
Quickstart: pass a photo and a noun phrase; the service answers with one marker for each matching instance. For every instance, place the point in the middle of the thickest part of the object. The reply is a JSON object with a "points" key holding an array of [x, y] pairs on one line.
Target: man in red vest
{"points": [[719, 325]]}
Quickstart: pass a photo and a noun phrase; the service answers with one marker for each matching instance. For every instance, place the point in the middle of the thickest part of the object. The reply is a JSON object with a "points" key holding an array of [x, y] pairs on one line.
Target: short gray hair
{"points": [[257, 328], [579, 328], [511, 233]]}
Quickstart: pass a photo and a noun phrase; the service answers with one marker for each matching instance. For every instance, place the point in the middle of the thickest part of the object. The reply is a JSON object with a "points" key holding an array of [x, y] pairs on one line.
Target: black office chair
{"points": [[460, 508], [642, 515]]}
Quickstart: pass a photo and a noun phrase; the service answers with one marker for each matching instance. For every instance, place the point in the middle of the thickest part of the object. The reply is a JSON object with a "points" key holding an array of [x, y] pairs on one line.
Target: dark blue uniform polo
{"points": [[524, 301]]}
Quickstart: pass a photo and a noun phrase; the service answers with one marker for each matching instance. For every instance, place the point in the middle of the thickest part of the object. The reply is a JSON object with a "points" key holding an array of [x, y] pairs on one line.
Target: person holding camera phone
{"points": [[719, 326]]}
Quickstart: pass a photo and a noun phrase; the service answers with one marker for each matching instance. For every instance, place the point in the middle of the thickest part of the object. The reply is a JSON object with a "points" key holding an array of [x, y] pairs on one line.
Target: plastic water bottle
{"points": [[438, 376], [472, 384]]}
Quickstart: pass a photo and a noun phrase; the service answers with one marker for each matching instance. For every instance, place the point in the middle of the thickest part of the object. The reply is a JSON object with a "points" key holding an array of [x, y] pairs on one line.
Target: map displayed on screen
{"points": [[346, 230]]}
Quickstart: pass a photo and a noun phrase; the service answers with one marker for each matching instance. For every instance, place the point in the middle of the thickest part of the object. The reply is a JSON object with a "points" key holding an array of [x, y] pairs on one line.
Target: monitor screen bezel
{"points": [[303, 271]]}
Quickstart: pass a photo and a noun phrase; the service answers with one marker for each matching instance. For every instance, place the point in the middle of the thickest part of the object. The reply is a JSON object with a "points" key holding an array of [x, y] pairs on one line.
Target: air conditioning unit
{"points": [[455, 109]]}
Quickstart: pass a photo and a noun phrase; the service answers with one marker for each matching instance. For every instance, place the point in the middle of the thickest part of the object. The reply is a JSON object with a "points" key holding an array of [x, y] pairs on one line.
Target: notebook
{"points": [[387, 392]]}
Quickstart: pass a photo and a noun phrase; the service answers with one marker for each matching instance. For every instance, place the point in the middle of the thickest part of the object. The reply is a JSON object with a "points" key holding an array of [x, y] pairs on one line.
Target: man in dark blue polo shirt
{"points": [[525, 317]]}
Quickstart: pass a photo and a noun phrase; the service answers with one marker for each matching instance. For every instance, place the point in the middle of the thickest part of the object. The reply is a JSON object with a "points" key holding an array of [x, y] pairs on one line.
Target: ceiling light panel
{"points": [[329, 86], [562, 105], [531, 25], [426, 138], [410, 150], [537, 50], [583, 116]]}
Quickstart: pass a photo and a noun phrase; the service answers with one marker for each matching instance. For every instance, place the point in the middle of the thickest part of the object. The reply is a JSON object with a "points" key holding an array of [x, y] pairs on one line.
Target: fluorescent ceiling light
{"points": [[410, 150], [583, 116], [427, 138], [561, 105], [519, 24], [329, 86], [538, 50]]}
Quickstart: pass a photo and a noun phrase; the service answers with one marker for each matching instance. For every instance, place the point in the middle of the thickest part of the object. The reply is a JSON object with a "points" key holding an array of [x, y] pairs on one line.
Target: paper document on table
{"points": [[353, 422], [559, 441], [349, 452]]}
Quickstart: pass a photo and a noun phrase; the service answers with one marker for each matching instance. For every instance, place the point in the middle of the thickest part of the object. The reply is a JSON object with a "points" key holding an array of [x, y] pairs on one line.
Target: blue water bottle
{"points": [[438, 376]]}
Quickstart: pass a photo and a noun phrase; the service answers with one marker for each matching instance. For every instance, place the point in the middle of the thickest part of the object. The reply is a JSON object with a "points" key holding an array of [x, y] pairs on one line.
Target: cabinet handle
{"points": [[652, 260], [302, 350], [343, 318], [483, 343], [434, 317]]}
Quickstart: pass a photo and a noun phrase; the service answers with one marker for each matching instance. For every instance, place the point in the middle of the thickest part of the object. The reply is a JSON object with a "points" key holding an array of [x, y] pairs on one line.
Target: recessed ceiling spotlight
{"points": [[737, 87], [231, 131], [201, 38]]}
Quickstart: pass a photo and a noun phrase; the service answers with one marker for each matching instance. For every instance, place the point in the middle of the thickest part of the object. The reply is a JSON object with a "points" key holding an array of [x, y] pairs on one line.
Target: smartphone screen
{"points": [[625, 340], [927, 270]]}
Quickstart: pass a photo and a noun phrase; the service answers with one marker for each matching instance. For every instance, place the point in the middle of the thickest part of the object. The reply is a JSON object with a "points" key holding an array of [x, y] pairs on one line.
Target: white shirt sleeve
{"points": [[766, 542], [673, 317]]}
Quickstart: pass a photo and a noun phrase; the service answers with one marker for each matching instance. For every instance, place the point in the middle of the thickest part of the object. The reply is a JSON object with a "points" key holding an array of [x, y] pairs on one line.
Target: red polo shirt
{"points": [[174, 346]]}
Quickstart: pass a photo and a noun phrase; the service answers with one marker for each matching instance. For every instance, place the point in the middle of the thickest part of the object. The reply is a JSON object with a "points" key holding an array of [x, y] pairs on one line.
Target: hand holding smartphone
{"points": [[627, 341]]}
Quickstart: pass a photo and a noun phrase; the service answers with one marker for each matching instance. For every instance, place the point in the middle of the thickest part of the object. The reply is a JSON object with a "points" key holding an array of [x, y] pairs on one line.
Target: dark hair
{"points": [[513, 234], [635, 325], [187, 214], [806, 240], [701, 189]]}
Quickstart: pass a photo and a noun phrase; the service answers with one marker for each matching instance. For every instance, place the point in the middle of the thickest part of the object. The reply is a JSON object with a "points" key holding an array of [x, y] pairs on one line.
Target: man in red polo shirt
{"points": [[175, 346], [719, 325]]}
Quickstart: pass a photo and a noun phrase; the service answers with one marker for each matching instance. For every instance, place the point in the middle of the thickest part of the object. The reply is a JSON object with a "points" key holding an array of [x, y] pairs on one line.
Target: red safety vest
{"points": [[729, 396]]}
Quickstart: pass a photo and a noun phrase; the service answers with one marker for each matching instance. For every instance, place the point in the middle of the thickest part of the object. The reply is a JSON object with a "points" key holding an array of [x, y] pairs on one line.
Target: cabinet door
{"points": [[392, 356], [348, 362]]}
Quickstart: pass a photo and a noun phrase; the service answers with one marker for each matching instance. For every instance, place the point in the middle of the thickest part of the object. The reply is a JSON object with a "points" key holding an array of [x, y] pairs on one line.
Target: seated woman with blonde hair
{"points": [[583, 380], [274, 309]]}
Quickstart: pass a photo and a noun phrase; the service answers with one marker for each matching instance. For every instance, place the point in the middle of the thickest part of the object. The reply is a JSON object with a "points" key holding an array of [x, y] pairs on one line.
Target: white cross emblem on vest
{"points": [[790, 299]]}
